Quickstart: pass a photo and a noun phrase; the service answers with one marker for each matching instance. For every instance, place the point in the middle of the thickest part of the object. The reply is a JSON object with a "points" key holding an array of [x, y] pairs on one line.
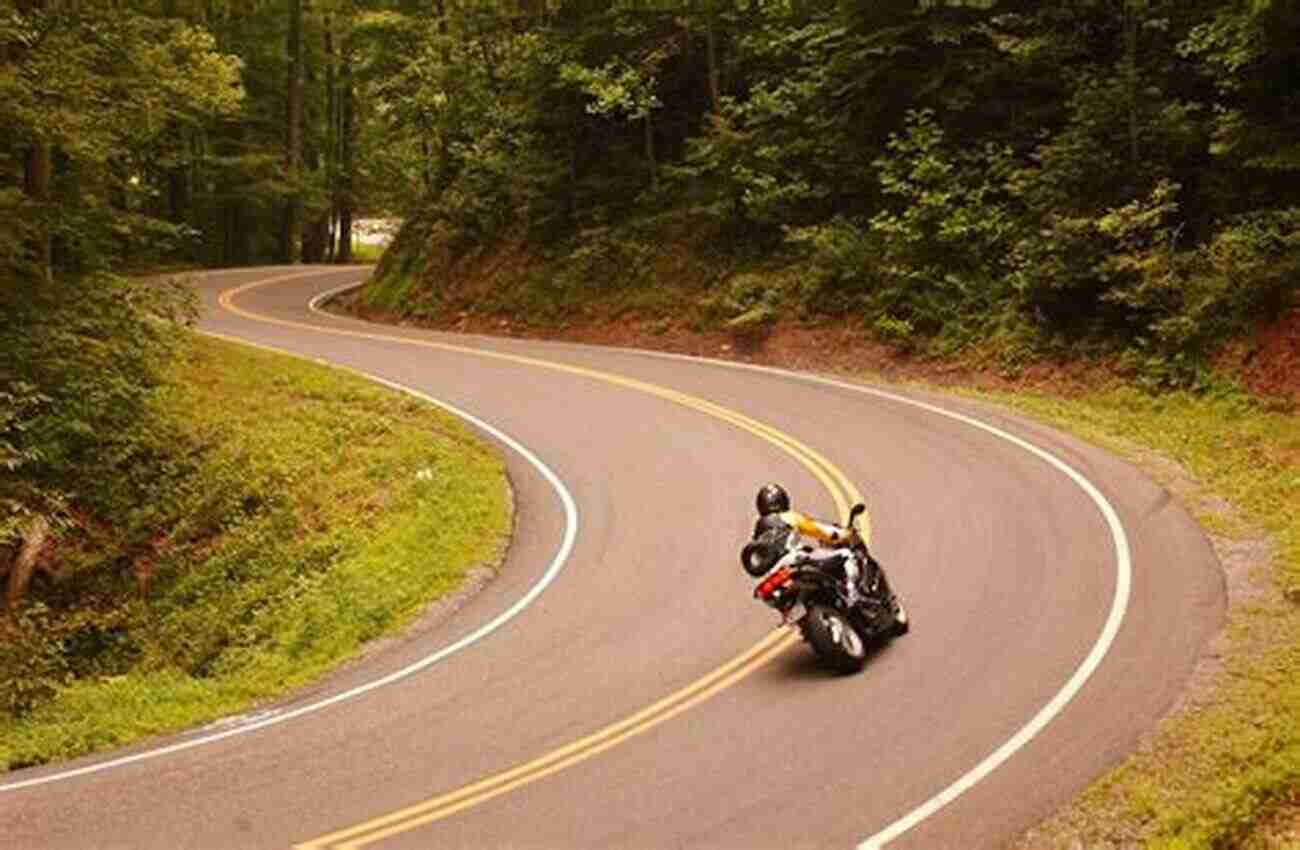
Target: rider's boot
{"points": [[901, 622], [879, 584]]}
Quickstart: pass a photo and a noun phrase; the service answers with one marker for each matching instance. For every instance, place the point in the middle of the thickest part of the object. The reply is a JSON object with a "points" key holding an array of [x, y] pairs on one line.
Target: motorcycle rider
{"points": [[777, 520]]}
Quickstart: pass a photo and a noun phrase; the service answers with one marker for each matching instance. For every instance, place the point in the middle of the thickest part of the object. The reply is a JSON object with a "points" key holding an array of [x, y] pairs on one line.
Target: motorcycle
{"points": [[806, 593]]}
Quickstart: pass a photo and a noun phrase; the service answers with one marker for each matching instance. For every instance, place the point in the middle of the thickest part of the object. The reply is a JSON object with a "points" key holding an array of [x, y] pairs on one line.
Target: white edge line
{"points": [[557, 564], [1045, 715]]}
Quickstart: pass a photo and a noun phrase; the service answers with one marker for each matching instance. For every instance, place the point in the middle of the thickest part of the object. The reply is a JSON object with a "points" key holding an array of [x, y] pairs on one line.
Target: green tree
{"points": [[81, 349], [87, 139]]}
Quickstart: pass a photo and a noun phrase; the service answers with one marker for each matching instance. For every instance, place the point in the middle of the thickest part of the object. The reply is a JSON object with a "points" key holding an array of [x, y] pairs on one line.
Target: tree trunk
{"points": [[575, 150], [650, 151], [37, 164], [314, 239], [331, 137], [228, 234], [293, 214], [426, 151], [344, 255], [178, 195], [332, 245], [179, 190], [237, 247], [1131, 72], [37, 171], [441, 175], [20, 574], [711, 38], [346, 182]]}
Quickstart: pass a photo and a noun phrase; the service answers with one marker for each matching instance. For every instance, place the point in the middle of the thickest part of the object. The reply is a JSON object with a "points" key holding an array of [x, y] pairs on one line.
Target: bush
{"points": [[82, 362], [930, 269], [842, 270], [22, 498], [608, 259], [32, 664], [1120, 279], [287, 529], [745, 300], [1253, 264], [944, 249], [1092, 275]]}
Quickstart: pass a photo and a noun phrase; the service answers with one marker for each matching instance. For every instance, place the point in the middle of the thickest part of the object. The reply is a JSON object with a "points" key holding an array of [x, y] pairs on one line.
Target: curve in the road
{"points": [[445, 805], [272, 719], [841, 490], [1023, 583]]}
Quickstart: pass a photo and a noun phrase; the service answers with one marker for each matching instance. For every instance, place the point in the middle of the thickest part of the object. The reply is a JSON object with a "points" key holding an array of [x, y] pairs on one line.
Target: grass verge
{"points": [[364, 252], [310, 517], [1223, 771]]}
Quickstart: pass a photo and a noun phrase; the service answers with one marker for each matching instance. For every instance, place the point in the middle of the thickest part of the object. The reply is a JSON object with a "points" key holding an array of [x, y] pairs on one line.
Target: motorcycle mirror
{"points": [[858, 510]]}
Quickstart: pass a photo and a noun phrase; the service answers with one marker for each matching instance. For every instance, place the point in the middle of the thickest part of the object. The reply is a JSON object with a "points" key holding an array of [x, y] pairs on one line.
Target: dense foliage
{"points": [[135, 136], [1084, 175], [82, 352], [1113, 174]]}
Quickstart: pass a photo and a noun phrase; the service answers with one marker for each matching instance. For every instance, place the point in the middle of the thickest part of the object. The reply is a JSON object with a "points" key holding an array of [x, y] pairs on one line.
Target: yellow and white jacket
{"points": [[806, 526]]}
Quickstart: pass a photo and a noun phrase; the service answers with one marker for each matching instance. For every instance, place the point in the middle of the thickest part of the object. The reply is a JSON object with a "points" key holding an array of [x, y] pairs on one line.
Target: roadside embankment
{"points": [[299, 512], [1224, 768]]}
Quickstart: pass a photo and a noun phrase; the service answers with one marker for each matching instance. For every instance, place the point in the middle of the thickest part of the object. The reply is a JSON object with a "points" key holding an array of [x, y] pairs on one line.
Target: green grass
{"points": [[305, 532], [364, 252], [1216, 771]]}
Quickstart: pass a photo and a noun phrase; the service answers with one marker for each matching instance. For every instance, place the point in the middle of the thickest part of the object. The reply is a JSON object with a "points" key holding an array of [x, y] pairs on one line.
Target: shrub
{"points": [[945, 245], [92, 351], [1088, 274], [1119, 278], [22, 498], [608, 259], [841, 270], [930, 268], [32, 664], [747, 299]]}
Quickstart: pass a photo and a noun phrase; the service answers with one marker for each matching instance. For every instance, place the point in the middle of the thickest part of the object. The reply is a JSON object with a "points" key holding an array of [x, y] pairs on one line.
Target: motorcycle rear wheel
{"points": [[836, 642]]}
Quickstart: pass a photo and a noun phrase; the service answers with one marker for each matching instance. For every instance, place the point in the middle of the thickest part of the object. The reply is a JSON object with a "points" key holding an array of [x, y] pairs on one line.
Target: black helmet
{"points": [[772, 499]]}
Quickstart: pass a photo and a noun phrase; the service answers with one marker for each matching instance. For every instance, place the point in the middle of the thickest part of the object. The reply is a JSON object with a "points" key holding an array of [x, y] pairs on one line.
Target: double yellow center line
{"points": [[506, 781], [842, 492]]}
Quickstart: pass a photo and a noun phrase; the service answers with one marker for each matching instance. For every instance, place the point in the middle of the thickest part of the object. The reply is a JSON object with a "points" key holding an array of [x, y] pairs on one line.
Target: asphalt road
{"points": [[604, 696]]}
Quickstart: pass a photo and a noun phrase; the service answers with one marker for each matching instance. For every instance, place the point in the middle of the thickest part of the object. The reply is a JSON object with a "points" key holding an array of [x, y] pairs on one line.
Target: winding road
{"points": [[616, 687]]}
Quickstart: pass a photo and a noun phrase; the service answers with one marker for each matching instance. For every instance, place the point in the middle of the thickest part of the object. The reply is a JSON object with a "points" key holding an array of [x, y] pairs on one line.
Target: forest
{"points": [[1105, 172], [1059, 178]]}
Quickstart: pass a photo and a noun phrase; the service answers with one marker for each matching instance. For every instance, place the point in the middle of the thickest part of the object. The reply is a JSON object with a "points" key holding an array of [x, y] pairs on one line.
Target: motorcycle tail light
{"points": [[773, 583]]}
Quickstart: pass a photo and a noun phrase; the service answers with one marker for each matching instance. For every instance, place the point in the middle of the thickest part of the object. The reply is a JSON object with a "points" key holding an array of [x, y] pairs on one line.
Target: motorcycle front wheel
{"points": [[834, 639]]}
